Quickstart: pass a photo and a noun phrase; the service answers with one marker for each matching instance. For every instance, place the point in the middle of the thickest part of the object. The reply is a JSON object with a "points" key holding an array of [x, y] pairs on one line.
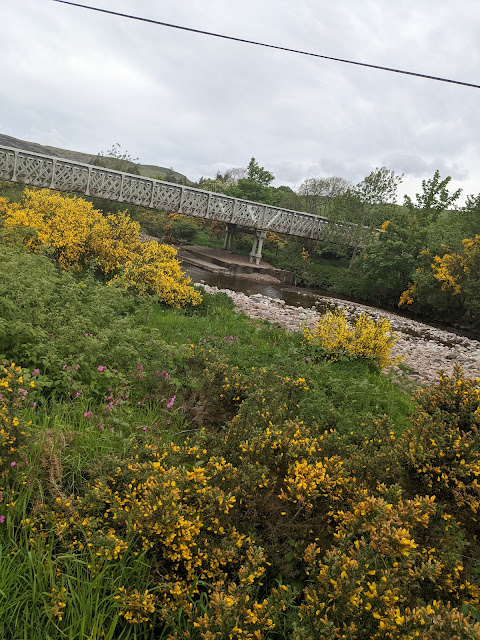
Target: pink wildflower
{"points": [[87, 414], [102, 368], [171, 402], [2, 519]]}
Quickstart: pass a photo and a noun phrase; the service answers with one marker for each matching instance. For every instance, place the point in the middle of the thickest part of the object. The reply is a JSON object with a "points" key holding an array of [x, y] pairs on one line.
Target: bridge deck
{"points": [[39, 170]]}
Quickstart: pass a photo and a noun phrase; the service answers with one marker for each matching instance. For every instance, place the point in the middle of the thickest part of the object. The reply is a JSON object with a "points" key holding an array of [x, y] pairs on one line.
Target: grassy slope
{"points": [[149, 170]]}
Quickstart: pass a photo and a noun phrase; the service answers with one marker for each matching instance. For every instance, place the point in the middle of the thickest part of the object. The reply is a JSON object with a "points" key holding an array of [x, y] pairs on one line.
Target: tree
{"points": [[255, 186], [434, 199], [233, 175], [317, 193], [399, 254], [285, 197], [258, 174], [356, 213], [470, 216], [117, 159]]}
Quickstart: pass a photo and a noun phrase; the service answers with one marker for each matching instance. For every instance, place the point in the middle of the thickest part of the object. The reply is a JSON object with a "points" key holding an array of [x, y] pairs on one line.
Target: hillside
{"points": [[149, 170]]}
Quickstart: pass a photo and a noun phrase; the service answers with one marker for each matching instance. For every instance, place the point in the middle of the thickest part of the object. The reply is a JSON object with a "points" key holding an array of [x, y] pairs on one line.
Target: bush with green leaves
{"points": [[63, 326]]}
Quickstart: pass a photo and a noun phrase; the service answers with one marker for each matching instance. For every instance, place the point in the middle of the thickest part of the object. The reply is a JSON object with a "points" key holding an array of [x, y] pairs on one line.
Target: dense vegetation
{"points": [[188, 473], [423, 255]]}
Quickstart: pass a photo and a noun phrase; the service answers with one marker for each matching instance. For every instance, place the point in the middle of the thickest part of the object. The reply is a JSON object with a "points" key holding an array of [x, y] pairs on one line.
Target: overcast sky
{"points": [[83, 80]]}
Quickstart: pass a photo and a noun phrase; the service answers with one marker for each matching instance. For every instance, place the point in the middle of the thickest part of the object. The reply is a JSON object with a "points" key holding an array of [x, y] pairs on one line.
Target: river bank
{"points": [[425, 349]]}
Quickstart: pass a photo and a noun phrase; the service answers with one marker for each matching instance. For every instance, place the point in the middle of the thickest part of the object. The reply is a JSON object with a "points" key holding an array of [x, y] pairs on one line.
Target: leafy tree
{"points": [[317, 193], [446, 281], [434, 200], [285, 197], [255, 186], [356, 212], [391, 261], [471, 216], [258, 174]]}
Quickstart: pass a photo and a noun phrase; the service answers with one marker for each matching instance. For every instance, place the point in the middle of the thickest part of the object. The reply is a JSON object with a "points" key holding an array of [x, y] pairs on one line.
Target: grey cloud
{"points": [[82, 80]]}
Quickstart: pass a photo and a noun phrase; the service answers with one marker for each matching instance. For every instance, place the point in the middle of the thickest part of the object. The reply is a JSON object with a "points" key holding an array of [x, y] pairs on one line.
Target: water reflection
{"points": [[294, 297]]}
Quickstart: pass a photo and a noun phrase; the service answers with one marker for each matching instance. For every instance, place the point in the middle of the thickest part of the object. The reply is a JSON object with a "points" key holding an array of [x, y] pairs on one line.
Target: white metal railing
{"points": [[51, 172]]}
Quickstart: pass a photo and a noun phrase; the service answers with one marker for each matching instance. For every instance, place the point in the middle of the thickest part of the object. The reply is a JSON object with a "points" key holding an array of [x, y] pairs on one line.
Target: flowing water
{"points": [[294, 296]]}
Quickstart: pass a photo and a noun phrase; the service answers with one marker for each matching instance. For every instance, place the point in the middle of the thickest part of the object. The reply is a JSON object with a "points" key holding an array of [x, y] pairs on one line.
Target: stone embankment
{"points": [[426, 350]]}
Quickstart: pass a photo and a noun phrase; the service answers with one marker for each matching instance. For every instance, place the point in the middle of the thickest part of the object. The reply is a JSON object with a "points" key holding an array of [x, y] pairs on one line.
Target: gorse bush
{"points": [[367, 338], [79, 236], [448, 282], [263, 533]]}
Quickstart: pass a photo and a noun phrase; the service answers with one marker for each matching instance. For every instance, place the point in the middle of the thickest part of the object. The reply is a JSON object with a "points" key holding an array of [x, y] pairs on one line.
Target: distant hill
{"points": [[148, 170]]}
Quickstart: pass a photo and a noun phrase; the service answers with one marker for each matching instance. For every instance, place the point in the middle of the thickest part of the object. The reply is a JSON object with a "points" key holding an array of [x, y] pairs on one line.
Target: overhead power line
{"points": [[270, 46]]}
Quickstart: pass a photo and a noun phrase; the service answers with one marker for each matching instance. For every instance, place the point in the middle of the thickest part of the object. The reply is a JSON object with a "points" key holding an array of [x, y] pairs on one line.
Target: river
{"points": [[426, 348]]}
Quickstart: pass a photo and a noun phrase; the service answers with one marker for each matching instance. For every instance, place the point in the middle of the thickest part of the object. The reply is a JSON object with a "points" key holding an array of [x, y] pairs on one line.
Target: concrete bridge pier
{"points": [[231, 229], [256, 252]]}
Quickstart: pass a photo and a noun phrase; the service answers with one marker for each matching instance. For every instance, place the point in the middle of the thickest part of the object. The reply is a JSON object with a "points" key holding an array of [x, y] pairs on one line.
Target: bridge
{"points": [[30, 168]]}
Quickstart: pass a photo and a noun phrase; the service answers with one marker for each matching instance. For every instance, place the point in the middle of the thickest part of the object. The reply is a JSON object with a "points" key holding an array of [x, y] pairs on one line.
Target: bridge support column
{"points": [[231, 229], [256, 252]]}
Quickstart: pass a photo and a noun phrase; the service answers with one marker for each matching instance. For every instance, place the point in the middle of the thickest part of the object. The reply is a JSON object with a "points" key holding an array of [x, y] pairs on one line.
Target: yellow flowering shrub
{"points": [[153, 270], [376, 580], [136, 607], [307, 482], [442, 449], [447, 284], [66, 225], [234, 614], [272, 526], [79, 235], [12, 394], [408, 296], [367, 338], [178, 515], [456, 270], [57, 604]]}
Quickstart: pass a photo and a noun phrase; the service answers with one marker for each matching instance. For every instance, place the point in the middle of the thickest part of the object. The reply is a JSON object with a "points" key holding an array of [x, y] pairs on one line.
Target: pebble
{"points": [[426, 350]]}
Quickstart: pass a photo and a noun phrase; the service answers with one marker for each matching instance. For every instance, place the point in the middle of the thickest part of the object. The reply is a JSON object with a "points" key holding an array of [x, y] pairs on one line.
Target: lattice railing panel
{"points": [[319, 229], [249, 214], [278, 220], [302, 225], [7, 163], [137, 190], [105, 184], [220, 208], [166, 197], [37, 171], [194, 203], [70, 177], [46, 171]]}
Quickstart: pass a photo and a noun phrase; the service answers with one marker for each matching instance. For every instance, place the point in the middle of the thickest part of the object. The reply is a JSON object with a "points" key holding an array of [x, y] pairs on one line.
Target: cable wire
{"points": [[270, 46]]}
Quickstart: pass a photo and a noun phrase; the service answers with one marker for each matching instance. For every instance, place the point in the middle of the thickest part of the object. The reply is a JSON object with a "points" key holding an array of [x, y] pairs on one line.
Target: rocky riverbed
{"points": [[426, 350]]}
